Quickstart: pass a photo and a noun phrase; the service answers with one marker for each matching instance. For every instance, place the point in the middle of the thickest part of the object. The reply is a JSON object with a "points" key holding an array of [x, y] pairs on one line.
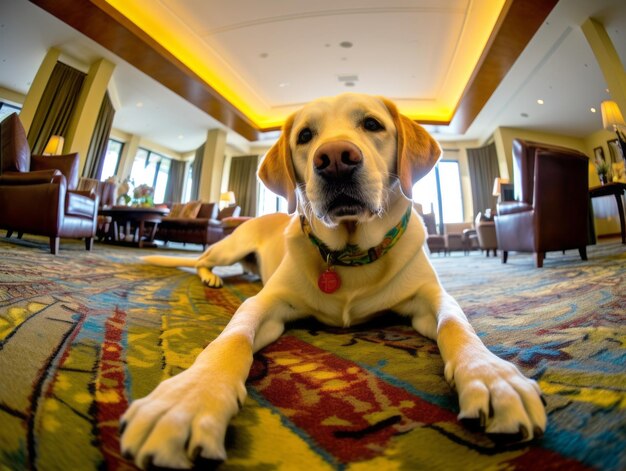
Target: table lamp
{"points": [[54, 146], [227, 199], [612, 119]]}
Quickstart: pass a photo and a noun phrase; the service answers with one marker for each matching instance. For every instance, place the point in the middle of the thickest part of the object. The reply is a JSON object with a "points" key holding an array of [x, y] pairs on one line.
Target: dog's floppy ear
{"points": [[418, 152], [276, 170]]}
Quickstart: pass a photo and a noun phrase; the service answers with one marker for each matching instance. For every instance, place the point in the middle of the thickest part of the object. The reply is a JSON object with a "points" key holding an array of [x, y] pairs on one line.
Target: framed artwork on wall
{"points": [[598, 153], [614, 151]]}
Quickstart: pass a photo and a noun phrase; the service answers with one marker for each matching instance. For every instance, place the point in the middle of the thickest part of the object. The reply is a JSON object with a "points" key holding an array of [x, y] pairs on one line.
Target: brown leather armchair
{"points": [[37, 193], [552, 202]]}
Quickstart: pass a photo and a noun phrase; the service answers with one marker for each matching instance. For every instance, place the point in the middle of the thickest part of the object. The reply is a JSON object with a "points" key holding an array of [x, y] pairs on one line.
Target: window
{"points": [[151, 169], [440, 192], [189, 184], [111, 159], [6, 109], [270, 202]]}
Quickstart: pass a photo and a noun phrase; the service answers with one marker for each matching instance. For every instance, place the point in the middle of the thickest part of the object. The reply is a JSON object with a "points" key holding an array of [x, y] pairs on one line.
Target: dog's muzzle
{"points": [[338, 164]]}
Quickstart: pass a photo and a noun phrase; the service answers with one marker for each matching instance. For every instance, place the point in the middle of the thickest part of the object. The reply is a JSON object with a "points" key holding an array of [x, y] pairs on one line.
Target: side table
{"points": [[129, 224], [616, 189]]}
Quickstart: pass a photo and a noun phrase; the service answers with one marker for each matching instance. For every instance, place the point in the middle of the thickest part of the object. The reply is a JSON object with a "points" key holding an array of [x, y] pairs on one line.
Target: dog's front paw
{"points": [[209, 278], [182, 420], [497, 397]]}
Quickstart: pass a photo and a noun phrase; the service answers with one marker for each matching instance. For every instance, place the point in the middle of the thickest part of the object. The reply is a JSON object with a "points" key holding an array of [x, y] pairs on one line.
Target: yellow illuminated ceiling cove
{"points": [[177, 38]]}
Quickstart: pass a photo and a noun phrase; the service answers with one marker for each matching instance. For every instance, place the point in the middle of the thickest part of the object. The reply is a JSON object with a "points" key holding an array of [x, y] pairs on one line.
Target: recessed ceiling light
{"points": [[180, 136], [139, 104], [283, 84], [540, 101], [346, 44], [592, 109]]}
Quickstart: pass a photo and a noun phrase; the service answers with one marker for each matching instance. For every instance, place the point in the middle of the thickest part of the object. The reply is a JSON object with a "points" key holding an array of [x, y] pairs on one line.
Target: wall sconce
{"points": [[227, 199], [612, 119], [54, 146]]}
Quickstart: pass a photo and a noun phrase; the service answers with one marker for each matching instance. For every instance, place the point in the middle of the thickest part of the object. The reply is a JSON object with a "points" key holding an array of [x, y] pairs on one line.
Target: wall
{"points": [[11, 97]]}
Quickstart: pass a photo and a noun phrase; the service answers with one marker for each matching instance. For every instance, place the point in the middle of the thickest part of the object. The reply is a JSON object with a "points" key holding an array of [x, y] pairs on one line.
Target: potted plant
{"points": [[602, 167], [143, 196]]}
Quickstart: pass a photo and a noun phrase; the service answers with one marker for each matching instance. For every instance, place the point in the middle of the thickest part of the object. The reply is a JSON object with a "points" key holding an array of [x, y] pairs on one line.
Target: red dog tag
{"points": [[329, 281]]}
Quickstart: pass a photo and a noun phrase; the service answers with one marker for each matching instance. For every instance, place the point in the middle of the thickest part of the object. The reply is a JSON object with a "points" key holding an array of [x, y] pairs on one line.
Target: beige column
{"points": [[83, 121], [37, 87], [212, 166], [128, 157], [608, 60]]}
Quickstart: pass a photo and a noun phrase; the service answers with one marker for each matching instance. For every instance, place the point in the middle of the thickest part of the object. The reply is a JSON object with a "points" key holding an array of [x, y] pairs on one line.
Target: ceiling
{"points": [[283, 53]]}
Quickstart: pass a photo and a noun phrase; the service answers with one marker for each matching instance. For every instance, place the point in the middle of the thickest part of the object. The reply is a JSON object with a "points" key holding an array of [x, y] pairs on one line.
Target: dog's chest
{"points": [[357, 300]]}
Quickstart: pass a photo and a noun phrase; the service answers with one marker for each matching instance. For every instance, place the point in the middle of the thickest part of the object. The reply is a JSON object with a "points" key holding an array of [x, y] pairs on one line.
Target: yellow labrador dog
{"points": [[353, 249]]}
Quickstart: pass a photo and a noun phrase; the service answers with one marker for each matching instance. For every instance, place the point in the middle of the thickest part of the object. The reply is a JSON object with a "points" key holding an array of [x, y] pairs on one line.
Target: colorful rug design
{"points": [[83, 334]]}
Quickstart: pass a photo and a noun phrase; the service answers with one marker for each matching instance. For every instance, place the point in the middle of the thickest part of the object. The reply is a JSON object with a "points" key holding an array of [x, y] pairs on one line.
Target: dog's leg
{"points": [[186, 416], [492, 392]]}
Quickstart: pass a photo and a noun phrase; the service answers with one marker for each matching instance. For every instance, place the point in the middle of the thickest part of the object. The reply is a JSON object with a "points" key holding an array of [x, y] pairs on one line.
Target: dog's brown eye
{"points": [[372, 124], [305, 136]]}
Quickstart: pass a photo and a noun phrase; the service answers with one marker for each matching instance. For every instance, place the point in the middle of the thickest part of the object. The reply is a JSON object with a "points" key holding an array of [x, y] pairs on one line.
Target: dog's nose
{"points": [[336, 160]]}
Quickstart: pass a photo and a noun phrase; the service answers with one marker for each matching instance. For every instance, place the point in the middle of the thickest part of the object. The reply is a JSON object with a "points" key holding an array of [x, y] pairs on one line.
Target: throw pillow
{"points": [[177, 209], [191, 209]]}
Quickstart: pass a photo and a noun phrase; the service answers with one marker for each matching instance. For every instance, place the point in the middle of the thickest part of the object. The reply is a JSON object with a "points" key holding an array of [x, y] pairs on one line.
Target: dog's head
{"points": [[342, 155]]}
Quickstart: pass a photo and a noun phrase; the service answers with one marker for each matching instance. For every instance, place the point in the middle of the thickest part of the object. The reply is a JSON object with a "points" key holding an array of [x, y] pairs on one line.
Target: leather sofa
{"points": [[550, 211], [208, 227], [38, 193]]}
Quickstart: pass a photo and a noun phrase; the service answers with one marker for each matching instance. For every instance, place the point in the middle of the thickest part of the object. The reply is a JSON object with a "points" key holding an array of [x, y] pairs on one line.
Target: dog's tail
{"points": [[165, 261]]}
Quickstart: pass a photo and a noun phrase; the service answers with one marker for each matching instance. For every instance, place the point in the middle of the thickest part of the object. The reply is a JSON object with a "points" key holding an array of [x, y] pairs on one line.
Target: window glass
{"points": [[161, 180], [440, 192], [450, 185], [270, 202], [189, 184], [6, 109], [152, 169], [111, 159]]}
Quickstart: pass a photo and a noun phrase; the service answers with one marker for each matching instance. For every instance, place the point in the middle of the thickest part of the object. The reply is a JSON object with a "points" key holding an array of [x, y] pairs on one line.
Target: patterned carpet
{"points": [[82, 334]]}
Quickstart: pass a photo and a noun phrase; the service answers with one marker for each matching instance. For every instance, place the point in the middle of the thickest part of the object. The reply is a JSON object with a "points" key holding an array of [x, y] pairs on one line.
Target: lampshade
{"points": [[54, 146], [611, 115], [228, 198], [497, 184]]}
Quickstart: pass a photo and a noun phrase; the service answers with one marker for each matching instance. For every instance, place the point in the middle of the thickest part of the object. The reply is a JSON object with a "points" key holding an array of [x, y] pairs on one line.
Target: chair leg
{"points": [[583, 253], [89, 243], [19, 235], [54, 245], [9, 234], [539, 259], [505, 256]]}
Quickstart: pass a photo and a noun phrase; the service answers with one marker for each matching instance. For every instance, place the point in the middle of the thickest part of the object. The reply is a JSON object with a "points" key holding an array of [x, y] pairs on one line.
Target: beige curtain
{"points": [[99, 140], [196, 172], [243, 182], [175, 181], [56, 106], [483, 170]]}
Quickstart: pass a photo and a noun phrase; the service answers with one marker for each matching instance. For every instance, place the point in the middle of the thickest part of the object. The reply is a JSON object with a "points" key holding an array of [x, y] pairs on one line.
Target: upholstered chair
{"points": [[550, 211], [37, 193]]}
